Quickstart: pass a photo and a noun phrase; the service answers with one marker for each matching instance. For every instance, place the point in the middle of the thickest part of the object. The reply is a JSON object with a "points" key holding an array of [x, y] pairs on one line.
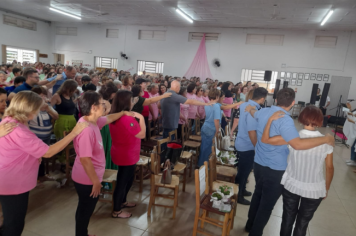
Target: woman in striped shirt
{"points": [[304, 183]]}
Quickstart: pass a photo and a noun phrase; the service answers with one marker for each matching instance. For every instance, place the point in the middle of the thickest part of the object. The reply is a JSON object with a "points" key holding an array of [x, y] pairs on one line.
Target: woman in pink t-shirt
{"points": [[126, 135], [201, 110], [193, 109], [184, 109], [89, 165], [205, 95], [20, 156], [153, 92]]}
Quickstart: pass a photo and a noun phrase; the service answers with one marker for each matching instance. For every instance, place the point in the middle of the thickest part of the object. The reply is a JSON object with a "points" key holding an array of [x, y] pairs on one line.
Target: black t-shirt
{"points": [[138, 107]]}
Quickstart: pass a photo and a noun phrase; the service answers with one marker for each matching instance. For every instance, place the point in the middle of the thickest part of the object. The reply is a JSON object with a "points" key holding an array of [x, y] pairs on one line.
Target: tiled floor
{"points": [[51, 211]]}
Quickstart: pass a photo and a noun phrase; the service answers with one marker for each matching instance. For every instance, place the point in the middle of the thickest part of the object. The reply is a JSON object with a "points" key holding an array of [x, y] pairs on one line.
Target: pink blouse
{"points": [[192, 108], [184, 110], [206, 99], [201, 109], [154, 106], [229, 100]]}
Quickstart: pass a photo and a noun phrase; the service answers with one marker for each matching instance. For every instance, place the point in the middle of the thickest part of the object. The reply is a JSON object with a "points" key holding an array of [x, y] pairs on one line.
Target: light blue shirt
{"points": [[58, 83], [246, 123], [274, 157], [212, 113]]}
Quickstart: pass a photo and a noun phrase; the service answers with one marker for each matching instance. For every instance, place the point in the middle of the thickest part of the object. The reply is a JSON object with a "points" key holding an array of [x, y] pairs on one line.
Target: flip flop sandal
{"points": [[117, 215], [126, 206]]}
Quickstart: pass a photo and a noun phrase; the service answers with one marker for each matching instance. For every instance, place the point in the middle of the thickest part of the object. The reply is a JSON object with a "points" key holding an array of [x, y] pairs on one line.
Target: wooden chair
{"points": [[194, 137], [202, 199], [189, 143], [141, 168], [178, 167], [214, 183], [197, 127], [156, 184], [70, 157], [186, 157], [109, 177], [154, 127], [224, 172]]}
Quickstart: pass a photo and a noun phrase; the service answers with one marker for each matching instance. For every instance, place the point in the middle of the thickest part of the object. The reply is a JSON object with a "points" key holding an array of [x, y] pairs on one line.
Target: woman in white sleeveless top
{"points": [[304, 183]]}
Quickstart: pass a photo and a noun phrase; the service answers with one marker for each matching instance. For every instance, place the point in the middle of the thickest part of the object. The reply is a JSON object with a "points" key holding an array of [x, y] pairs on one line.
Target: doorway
{"points": [[339, 86], [58, 58]]}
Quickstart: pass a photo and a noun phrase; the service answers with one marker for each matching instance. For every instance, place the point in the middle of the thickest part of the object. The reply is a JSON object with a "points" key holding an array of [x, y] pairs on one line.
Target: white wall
{"points": [[28, 39], [297, 52]]}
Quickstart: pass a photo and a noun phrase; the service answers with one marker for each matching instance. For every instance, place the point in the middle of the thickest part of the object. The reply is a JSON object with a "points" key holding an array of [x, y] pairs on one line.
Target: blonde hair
{"points": [[23, 104]]}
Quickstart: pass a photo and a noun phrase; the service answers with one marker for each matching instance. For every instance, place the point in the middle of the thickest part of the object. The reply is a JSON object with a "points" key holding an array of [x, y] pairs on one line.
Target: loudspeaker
{"points": [[285, 84], [268, 75], [276, 89], [313, 93], [324, 94]]}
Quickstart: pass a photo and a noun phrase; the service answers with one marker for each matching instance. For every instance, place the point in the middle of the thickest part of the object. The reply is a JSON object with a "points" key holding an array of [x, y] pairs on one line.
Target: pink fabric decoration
{"points": [[200, 66]]}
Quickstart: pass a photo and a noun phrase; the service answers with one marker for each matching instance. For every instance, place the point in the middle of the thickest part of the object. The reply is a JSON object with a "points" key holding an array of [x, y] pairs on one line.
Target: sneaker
{"points": [[243, 201], [349, 161], [247, 193], [351, 164]]}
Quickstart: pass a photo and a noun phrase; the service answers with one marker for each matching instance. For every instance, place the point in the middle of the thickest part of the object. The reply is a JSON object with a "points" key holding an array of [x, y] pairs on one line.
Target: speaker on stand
{"points": [[268, 77], [313, 94], [276, 89], [285, 84]]}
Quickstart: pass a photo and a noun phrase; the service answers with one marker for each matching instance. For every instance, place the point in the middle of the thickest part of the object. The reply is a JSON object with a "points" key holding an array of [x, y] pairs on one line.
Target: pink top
{"points": [[89, 144], [19, 159], [184, 109], [192, 108], [154, 106], [229, 100], [206, 99], [125, 149], [201, 109]]}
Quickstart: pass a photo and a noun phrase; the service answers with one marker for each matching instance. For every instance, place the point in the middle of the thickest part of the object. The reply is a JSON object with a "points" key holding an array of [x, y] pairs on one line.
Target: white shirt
{"points": [[304, 175]]}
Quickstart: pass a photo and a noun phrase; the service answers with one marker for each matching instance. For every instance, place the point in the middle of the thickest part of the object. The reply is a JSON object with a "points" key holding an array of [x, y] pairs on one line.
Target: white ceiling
{"points": [[291, 14]]}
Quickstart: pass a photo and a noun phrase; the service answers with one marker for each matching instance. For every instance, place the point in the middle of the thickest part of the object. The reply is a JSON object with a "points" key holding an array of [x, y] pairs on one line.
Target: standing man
{"points": [[271, 160], [246, 141], [171, 108], [68, 73]]}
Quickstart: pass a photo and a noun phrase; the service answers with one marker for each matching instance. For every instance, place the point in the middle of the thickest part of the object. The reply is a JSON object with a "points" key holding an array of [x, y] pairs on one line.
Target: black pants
{"points": [[267, 191], [323, 110], [124, 180], [147, 126], [86, 207], [295, 206], [246, 160], [14, 209], [179, 131]]}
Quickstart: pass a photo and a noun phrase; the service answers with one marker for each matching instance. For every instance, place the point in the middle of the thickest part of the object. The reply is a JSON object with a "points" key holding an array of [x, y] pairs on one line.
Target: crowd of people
{"points": [[107, 113]]}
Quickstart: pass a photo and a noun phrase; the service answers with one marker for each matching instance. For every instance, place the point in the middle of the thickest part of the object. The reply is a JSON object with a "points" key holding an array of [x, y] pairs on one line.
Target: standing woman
{"points": [[205, 96], [127, 83], [89, 165], [3, 99], [244, 91], [162, 89], [108, 92], [125, 152], [184, 110], [304, 183], [153, 92], [201, 109], [20, 156], [193, 109], [226, 88], [65, 107]]}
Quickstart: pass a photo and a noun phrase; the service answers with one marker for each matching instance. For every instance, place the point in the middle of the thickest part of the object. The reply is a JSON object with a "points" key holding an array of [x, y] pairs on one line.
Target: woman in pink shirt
{"points": [[126, 135], [229, 99], [184, 110], [20, 156], [205, 95], [201, 110], [89, 165], [193, 109], [153, 92]]}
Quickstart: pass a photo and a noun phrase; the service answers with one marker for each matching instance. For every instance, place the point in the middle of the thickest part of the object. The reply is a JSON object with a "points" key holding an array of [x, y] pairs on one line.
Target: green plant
{"points": [[224, 160], [218, 196]]}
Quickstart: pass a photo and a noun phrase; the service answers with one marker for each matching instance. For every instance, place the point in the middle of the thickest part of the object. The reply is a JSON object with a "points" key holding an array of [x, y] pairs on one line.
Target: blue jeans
{"points": [[267, 191], [246, 161], [353, 154], [207, 135]]}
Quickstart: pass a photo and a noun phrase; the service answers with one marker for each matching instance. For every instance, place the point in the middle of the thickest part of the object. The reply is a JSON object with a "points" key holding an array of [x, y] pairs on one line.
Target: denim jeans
{"points": [[246, 161], [353, 154], [207, 135], [267, 191]]}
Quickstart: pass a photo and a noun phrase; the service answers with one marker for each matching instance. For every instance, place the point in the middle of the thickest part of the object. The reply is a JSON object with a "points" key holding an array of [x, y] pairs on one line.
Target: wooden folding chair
{"points": [[142, 171], [156, 184], [194, 137], [109, 177], [197, 127], [70, 157], [202, 199], [189, 143]]}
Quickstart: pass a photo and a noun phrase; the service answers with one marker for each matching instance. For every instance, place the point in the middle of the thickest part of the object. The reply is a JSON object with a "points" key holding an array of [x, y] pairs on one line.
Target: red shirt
{"points": [[125, 149], [146, 109]]}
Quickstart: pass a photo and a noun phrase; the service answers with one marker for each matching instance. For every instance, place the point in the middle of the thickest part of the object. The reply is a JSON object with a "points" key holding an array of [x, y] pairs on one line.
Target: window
{"points": [[72, 31], [197, 36], [17, 22], [21, 55], [257, 76], [325, 41], [150, 67], [112, 33], [265, 39], [106, 62], [152, 35]]}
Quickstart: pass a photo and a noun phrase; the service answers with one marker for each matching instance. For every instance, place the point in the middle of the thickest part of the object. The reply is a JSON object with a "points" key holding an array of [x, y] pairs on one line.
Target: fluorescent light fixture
{"points": [[184, 15], [64, 13], [327, 17]]}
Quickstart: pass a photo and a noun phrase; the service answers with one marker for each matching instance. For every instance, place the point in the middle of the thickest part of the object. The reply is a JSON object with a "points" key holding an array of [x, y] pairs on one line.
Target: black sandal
{"points": [[117, 215], [126, 206]]}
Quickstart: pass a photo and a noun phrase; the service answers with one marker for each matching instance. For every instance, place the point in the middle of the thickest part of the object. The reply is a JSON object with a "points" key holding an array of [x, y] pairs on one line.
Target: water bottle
{"points": [[106, 190]]}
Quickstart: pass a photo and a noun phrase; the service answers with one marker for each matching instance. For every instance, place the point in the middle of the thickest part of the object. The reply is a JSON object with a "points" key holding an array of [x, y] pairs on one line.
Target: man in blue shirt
{"points": [[271, 160], [68, 73], [19, 80], [246, 141]]}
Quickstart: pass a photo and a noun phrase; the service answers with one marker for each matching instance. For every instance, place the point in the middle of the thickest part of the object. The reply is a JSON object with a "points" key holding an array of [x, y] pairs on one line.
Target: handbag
{"points": [[166, 173], [224, 141]]}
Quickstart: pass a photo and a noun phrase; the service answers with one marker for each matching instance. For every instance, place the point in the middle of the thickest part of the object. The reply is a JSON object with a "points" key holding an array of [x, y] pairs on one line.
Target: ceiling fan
{"points": [[275, 15]]}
